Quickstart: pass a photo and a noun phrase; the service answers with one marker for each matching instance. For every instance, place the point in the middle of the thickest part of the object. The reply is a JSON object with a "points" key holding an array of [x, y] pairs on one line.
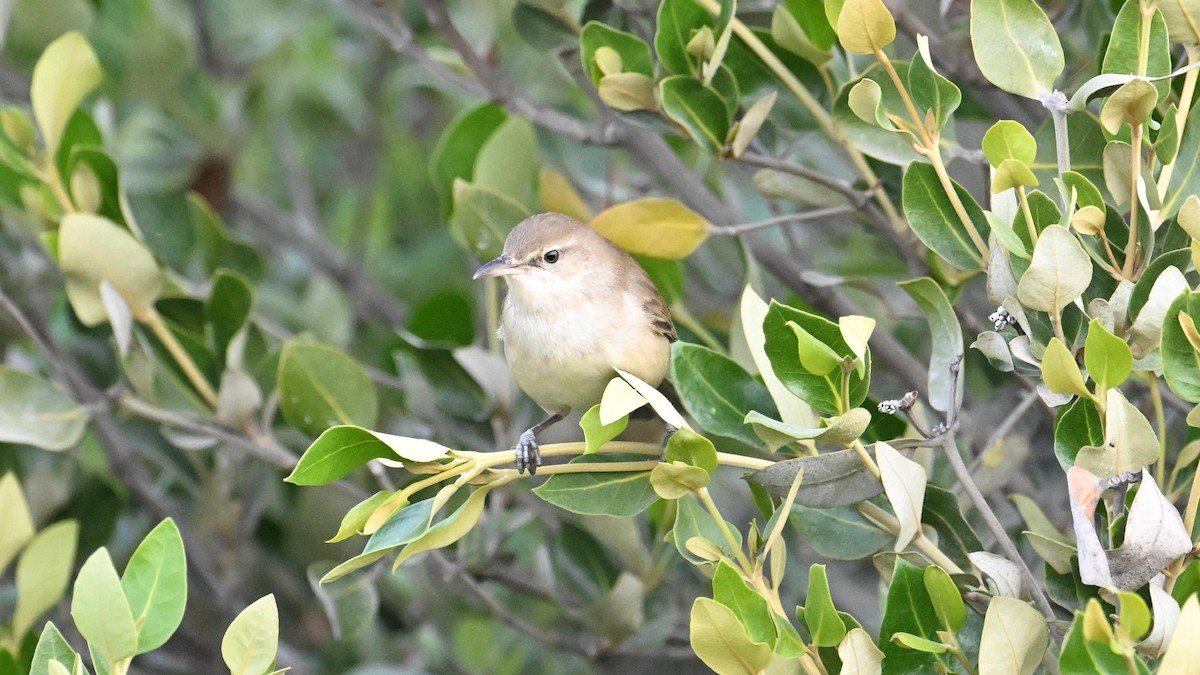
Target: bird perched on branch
{"points": [[577, 307]]}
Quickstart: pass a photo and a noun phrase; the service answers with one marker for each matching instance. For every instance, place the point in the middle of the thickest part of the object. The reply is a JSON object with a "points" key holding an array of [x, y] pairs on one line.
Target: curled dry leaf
{"points": [[1155, 535]]}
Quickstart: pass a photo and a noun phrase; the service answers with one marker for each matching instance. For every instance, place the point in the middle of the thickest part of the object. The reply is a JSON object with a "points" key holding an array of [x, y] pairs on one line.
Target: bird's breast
{"points": [[562, 353]]}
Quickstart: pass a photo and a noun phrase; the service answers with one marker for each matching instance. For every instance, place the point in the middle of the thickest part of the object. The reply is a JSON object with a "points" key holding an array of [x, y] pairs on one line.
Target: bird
{"points": [[578, 307]]}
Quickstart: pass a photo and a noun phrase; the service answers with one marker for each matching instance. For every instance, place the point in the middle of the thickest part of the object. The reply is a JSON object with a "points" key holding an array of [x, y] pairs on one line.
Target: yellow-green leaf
{"points": [[865, 26], [1183, 651], [1131, 104], [654, 227], [1058, 273], [1061, 372], [65, 74], [672, 480], [817, 357], [91, 250], [1108, 358], [721, 642], [1014, 638]]}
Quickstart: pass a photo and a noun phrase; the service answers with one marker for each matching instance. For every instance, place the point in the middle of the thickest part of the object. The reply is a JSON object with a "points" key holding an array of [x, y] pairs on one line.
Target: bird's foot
{"points": [[529, 456]]}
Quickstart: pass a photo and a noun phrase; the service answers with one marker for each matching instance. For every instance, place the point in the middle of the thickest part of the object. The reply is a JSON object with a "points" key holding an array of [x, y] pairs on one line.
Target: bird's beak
{"points": [[499, 267]]}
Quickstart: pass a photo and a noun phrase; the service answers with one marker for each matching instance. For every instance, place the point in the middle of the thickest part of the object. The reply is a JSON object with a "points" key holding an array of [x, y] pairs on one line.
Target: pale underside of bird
{"points": [[577, 307]]}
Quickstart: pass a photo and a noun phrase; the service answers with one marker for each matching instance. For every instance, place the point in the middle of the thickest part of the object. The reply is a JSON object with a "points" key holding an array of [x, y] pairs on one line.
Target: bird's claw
{"points": [[529, 456]]}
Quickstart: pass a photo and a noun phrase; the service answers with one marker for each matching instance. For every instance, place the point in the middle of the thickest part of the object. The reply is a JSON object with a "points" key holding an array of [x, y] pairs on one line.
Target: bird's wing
{"points": [[659, 315]]}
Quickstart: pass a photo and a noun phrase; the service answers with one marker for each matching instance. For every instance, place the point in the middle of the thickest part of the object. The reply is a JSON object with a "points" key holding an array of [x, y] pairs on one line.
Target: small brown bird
{"points": [[577, 307]]}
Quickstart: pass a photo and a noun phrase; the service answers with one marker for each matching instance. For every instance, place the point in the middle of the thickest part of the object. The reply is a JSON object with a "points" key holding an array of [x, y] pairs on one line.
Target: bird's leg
{"points": [[668, 431], [528, 456]]}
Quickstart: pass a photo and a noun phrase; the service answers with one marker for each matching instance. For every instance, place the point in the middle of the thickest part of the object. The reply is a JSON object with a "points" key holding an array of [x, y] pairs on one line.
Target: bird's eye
{"points": [[551, 256]]}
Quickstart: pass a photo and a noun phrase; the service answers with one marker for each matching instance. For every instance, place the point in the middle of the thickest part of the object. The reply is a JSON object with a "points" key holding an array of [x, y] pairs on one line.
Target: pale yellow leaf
{"points": [[654, 227]]}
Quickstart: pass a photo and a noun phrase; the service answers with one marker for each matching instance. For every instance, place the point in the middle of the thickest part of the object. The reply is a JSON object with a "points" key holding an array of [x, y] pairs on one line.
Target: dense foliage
{"points": [[236, 241]]}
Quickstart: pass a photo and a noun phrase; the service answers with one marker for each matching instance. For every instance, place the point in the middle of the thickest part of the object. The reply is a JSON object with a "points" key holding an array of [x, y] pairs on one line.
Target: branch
{"points": [[950, 446]]}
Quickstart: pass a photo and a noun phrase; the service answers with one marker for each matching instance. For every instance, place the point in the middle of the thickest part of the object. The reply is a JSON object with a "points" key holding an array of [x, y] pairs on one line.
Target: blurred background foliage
{"points": [[296, 143]]}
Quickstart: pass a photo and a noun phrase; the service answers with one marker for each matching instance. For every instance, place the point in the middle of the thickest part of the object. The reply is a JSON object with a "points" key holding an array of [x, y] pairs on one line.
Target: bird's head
{"points": [[550, 253]]}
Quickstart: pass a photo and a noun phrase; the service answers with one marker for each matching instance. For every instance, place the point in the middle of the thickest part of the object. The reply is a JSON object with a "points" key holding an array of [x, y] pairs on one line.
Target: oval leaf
{"points": [[654, 227]]}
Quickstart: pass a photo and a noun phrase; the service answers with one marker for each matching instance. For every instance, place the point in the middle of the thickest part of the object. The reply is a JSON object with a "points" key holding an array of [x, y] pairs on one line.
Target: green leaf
{"points": [[789, 33], [946, 338], [782, 347], [51, 646], [1086, 194], [457, 149], [830, 479], [718, 392], [1124, 53], [43, 572], [155, 585], [507, 162], [342, 449], [623, 493], [1134, 615], [356, 518], [1180, 356], [1178, 259], [227, 308], [930, 91], [406, 525], [14, 513], [935, 221], [750, 607], [595, 434], [866, 100], [1108, 358], [1058, 274], [865, 26], [1185, 181], [879, 142], [1166, 141], [910, 641], [721, 642], [450, 529], [251, 641], [635, 54], [692, 449], [100, 610], [947, 601], [1061, 372], [1016, 46], [65, 74], [36, 412], [820, 615], [320, 386], [696, 108], [677, 21], [956, 537], [1078, 426], [1007, 139], [1014, 638], [839, 532], [693, 521], [908, 609], [92, 250], [815, 356], [482, 218]]}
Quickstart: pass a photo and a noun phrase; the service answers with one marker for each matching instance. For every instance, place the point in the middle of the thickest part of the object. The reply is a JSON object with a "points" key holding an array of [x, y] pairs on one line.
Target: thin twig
{"points": [[544, 636], [977, 498], [785, 219]]}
